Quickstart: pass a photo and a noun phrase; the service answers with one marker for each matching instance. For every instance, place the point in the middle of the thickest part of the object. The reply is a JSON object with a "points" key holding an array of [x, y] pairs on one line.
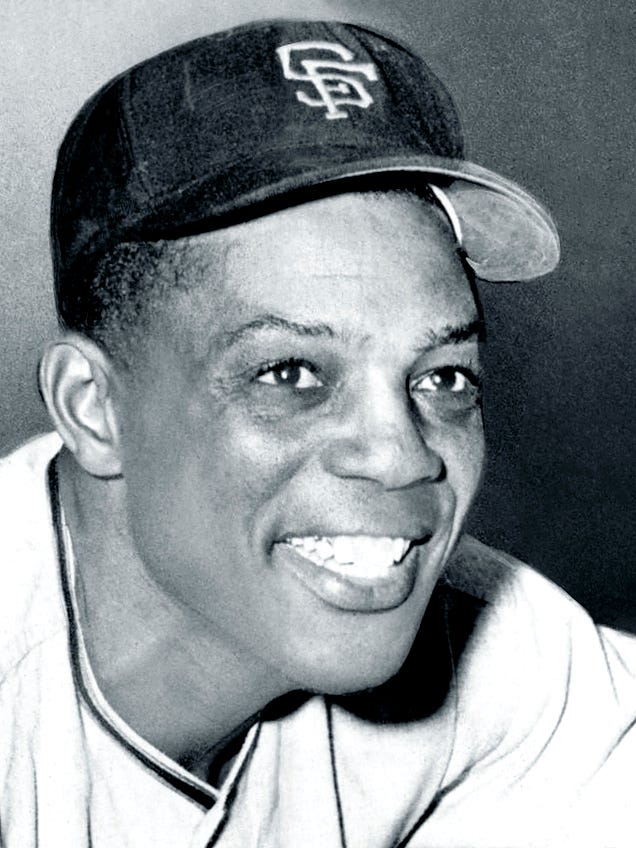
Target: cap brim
{"points": [[506, 233]]}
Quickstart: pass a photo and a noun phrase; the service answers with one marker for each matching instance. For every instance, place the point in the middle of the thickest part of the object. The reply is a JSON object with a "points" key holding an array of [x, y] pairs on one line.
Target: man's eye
{"points": [[453, 380], [291, 373]]}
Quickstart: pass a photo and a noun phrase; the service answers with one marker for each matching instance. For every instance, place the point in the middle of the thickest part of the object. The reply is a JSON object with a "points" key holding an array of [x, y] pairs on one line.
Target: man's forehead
{"points": [[337, 234], [357, 265]]}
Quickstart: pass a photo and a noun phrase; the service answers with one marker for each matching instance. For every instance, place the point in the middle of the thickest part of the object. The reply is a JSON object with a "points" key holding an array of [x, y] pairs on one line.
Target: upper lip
{"points": [[417, 538]]}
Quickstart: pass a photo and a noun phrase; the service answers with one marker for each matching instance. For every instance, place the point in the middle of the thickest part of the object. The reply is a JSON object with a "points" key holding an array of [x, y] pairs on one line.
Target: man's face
{"points": [[298, 464]]}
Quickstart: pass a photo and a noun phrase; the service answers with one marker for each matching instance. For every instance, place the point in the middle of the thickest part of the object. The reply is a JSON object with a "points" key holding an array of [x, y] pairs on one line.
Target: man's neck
{"points": [[165, 671]]}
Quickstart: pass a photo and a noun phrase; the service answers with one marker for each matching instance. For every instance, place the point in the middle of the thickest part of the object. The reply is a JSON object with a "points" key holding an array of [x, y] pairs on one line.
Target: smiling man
{"points": [[238, 607]]}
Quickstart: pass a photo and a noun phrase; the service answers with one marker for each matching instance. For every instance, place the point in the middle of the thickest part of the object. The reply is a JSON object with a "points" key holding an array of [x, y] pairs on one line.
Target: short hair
{"points": [[124, 291]]}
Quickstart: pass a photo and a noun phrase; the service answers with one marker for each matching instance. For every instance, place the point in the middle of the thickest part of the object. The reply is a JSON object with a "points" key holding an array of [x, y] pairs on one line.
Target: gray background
{"points": [[546, 91]]}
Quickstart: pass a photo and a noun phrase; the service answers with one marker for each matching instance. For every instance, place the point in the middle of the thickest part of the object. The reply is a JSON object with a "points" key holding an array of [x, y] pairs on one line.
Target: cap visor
{"points": [[506, 233]]}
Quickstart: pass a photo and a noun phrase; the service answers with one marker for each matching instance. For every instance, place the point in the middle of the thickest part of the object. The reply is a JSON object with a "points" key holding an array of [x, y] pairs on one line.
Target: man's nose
{"points": [[381, 438]]}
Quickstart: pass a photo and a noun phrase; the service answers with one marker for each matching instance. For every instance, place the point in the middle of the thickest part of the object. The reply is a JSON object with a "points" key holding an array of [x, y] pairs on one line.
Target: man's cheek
{"points": [[462, 451], [466, 470], [271, 450]]}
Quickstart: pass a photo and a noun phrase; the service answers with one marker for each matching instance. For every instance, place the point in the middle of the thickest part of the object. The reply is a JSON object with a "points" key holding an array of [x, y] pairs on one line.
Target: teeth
{"points": [[324, 549], [400, 547], [363, 556], [344, 549]]}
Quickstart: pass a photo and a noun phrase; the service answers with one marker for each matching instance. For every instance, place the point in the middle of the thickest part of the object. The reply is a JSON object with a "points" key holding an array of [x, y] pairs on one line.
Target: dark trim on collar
{"points": [[204, 799], [334, 773]]}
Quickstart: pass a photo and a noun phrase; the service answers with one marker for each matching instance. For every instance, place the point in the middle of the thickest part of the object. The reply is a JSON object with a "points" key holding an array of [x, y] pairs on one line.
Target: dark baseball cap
{"points": [[238, 123]]}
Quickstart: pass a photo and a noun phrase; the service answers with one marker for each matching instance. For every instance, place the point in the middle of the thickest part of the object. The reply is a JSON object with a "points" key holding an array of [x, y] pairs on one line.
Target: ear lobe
{"points": [[76, 382]]}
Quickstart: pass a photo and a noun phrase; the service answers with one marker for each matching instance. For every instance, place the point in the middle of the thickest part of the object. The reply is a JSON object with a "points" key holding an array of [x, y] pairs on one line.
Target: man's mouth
{"points": [[352, 572], [354, 556]]}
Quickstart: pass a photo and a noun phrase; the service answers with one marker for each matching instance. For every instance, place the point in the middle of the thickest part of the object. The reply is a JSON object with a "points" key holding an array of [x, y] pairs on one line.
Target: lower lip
{"points": [[350, 593]]}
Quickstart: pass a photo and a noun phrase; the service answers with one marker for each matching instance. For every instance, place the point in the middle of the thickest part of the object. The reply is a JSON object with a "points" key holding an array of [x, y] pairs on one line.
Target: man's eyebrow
{"points": [[455, 334], [275, 322], [448, 335]]}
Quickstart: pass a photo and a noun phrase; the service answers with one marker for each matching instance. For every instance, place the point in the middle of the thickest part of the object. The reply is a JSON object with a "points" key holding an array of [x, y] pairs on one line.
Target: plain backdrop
{"points": [[546, 92]]}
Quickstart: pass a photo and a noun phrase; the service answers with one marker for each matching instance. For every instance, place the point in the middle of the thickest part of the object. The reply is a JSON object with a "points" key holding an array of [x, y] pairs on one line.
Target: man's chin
{"points": [[349, 678], [365, 661]]}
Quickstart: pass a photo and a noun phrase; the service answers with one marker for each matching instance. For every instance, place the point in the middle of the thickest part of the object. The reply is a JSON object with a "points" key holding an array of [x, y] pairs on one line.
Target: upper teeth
{"points": [[366, 554]]}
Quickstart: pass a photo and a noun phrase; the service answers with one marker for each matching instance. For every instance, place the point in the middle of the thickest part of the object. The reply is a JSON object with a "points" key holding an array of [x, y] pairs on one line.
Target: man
{"points": [[238, 607]]}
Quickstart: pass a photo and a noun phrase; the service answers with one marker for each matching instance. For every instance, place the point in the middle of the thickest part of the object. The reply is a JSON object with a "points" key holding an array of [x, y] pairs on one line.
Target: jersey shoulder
{"points": [[504, 585], [30, 597]]}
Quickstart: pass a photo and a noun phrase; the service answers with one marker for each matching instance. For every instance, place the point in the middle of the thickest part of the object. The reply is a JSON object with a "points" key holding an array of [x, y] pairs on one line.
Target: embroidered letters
{"points": [[338, 82]]}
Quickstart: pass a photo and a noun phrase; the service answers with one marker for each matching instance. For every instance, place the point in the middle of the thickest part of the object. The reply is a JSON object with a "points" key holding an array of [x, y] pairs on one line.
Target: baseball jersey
{"points": [[511, 723]]}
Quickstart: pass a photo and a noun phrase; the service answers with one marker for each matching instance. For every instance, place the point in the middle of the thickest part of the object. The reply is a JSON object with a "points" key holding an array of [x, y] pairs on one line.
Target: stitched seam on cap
{"points": [[130, 139]]}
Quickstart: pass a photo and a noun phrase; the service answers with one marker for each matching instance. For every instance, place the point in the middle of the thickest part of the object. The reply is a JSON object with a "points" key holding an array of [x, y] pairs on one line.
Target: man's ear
{"points": [[77, 381]]}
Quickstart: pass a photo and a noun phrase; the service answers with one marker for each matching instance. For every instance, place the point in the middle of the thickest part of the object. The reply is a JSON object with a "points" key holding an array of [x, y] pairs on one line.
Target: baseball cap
{"points": [[237, 123]]}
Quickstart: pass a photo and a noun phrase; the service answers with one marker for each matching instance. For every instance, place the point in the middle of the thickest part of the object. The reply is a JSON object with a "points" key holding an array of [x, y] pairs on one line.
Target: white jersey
{"points": [[511, 724]]}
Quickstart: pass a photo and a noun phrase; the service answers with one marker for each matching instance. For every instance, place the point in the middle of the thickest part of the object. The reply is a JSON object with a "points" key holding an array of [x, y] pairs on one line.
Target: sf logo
{"points": [[337, 82]]}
